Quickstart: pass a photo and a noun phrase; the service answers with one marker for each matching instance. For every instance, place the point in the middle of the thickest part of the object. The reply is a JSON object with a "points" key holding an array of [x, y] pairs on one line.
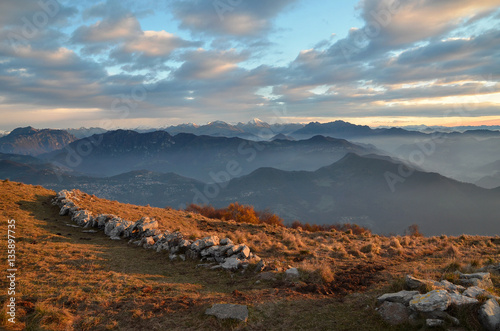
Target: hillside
{"points": [[132, 288], [30, 141], [371, 192], [366, 190]]}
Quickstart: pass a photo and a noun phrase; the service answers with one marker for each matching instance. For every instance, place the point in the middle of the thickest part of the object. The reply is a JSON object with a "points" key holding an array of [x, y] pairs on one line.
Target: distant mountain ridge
{"points": [[358, 189], [199, 157], [31, 141]]}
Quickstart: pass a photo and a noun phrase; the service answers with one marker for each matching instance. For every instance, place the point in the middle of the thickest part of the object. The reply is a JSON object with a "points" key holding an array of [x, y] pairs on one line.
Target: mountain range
{"points": [[318, 179], [200, 157], [30, 141]]}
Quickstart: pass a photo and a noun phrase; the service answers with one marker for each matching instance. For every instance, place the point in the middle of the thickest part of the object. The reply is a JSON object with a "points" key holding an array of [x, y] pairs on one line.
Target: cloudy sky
{"points": [[121, 63]]}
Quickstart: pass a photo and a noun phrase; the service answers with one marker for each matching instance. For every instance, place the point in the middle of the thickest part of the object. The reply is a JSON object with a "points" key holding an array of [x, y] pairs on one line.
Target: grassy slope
{"points": [[69, 280]]}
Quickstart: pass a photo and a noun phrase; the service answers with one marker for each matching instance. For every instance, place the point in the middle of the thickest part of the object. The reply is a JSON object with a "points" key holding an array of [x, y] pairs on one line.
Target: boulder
{"points": [[231, 263], [116, 227], [292, 273], [201, 244], [480, 279], [65, 210], [394, 313], [460, 300], [260, 266], [145, 227], [434, 323], [414, 283], [489, 315], [448, 286], [237, 249], [434, 300], [229, 311], [403, 297], [81, 217], [244, 252], [210, 251], [225, 248], [226, 241], [103, 219], [147, 242], [474, 292]]}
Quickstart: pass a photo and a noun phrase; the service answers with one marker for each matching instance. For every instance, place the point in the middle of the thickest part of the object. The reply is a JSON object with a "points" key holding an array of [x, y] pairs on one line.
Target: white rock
{"points": [[229, 311], [474, 292], [459, 300], [292, 273], [231, 263], [434, 322], [489, 314], [434, 300], [403, 297]]}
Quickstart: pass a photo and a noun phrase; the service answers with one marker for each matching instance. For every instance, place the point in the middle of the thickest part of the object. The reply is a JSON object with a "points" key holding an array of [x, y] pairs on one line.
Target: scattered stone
{"points": [[267, 275], [229, 311], [479, 279], [460, 300], [414, 283], [231, 263], [474, 292], [292, 273], [200, 244], [260, 266], [236, 249], [89, 231], [450, 287], [147, 242], [434, 300], [394, 313], [434, 323], [72, 225], [489, 315], [226, 241], [403, 297]]}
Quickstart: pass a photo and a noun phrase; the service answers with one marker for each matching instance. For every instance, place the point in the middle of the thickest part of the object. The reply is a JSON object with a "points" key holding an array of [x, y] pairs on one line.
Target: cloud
{"points": [[209, 65], [156, 43], [108, 30], [398, 23], [251, 19], [36, 14]]}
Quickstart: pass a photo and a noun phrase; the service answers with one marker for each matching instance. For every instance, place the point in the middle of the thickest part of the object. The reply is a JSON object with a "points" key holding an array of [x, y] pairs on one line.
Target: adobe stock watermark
{"points": [[121, 106], [11, 271], [33, 24], [224, 6], [381, 18], [425, 148], [233, 168]]}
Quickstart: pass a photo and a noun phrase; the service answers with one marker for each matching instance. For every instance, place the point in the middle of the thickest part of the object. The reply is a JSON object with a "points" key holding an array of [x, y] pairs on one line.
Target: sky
{"points": [[128, 64]]}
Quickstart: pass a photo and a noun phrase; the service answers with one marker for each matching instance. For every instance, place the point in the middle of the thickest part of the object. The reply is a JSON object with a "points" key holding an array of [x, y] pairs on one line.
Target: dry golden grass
{"points": [[70, 280]]}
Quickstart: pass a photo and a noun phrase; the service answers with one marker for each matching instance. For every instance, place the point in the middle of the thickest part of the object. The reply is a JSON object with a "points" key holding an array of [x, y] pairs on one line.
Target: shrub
{"points": [[238, 213], [414, 231]]}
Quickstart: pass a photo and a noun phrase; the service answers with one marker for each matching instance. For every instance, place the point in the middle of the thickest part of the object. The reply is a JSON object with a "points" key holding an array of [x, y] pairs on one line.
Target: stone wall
{"points": [[218, 253]]}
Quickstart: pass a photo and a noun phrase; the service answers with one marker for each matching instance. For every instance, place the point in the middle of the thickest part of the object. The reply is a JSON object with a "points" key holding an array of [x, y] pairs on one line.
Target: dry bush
{"points": [[370, 248], [395, 243], [316, 271], [452, 251]]}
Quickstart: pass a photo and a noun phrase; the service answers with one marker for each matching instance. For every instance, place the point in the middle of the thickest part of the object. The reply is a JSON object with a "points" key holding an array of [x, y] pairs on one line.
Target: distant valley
{"points": [[317, 173]]}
